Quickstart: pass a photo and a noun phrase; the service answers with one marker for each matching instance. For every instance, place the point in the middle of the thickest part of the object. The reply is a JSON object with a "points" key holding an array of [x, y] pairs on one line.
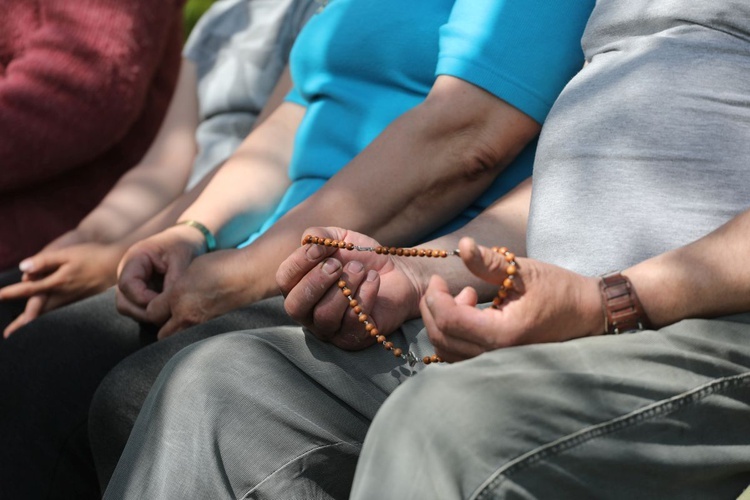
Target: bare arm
{"points": [[442, 155], [392, 294], [245, 190], [705, 279], [708, 278], [57, 277], [161, 175], [170, 214], [423, 170], [450, 147]]}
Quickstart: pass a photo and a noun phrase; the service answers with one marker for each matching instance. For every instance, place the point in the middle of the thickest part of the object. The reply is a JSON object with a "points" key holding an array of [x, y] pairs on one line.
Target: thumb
{"points": [[492, 265]]}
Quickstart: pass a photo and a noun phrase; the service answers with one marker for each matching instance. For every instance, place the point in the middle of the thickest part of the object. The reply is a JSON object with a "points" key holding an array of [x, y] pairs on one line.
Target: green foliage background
{"points": [[194, 9]]}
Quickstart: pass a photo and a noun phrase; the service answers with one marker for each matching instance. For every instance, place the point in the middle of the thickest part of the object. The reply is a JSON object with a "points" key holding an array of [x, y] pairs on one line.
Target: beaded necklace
{"points": [[508, 284]]}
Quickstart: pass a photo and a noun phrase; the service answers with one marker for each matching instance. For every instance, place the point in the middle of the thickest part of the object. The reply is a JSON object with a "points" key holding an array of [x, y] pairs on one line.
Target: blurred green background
{"points": [[194, 9]]}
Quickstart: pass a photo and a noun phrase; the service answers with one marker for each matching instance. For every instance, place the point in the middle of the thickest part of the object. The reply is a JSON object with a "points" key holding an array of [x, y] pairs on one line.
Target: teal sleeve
{"points": [[522, 51]]}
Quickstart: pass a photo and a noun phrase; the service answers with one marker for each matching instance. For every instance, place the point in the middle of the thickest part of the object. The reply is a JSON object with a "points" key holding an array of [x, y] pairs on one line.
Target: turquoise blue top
{"points": [[359, 64]]}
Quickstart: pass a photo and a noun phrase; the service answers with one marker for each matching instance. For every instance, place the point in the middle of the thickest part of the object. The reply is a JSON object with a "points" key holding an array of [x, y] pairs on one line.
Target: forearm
{"points": [[503, 223], [159, 178], [247, 187], [708, 278], [426, 167], [449, 149]]}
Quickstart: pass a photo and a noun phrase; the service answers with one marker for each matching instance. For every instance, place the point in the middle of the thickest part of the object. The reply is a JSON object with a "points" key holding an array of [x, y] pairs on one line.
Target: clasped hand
{"points": [[167, 281], [384, 286], [66, 270]]}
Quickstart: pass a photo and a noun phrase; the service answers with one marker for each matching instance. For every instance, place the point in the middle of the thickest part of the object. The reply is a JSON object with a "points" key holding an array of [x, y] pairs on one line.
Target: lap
{"points": [[119, 398], [260, 406], [49, 370], [623, 415]]}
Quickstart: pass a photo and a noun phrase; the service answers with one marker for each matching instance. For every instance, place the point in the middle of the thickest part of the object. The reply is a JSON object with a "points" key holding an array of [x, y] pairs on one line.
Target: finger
{"points": [[15, 325], [452, 349], [300, 263], [28, 288], [159, 311], [301, 300], [468, 296], [171, 327], [134, 279], [30, 313], [128, 308], [174, 270], [354, 333], [56, 300], [482, 261], [463, 326], [35, 306], [328, 314], [42, 263], [436, 285], [446, 321]]}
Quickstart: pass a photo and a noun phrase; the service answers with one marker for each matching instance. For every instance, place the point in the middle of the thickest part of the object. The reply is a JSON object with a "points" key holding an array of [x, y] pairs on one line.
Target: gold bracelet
{"points": [[207, 234]]}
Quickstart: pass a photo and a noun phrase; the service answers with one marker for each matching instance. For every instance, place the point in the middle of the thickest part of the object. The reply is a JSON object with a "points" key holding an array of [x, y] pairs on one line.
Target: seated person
{"points": [[82, 95], [231, 62], [410, 143], [634, 384]]}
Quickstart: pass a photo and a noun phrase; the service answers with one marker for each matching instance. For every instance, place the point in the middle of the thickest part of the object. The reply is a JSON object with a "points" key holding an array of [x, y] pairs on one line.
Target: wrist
{"points": [[592, 307], [622, 310], [209, 239], [189, 237]]}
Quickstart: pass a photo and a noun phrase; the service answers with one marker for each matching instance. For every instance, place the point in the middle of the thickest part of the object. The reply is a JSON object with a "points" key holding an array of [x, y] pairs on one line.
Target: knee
{"points": [[211, 368]]}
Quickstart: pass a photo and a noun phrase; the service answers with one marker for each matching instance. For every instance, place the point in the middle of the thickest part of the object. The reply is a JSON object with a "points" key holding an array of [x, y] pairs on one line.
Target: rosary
{"points": [[511, 270]]}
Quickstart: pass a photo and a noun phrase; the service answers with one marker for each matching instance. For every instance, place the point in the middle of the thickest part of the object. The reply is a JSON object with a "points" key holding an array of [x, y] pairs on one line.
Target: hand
{"points": [[151, 267], [212, 285], [551, 305], [53, 278], [384, 286]]}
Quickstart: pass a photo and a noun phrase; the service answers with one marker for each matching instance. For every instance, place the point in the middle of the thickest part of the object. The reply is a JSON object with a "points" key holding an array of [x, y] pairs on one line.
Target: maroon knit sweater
{"points": [[84, 86]]}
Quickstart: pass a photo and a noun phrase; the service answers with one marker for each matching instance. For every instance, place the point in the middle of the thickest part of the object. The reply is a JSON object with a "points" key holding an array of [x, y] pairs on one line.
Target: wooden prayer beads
{"points": [[507, 285]]}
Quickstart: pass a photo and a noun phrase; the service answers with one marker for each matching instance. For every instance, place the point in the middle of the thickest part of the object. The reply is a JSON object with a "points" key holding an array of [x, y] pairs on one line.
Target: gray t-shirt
{"points": [[240, 48], [648, 147]]}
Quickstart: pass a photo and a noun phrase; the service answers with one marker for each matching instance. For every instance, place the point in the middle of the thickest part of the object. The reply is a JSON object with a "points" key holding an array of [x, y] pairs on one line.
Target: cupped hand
{"points": [[151, 267], [550, 304], [54, 278], [384, 286]]}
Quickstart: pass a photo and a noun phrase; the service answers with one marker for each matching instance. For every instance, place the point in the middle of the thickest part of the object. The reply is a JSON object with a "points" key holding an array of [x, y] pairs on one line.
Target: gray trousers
{"points": [[277, 414]]}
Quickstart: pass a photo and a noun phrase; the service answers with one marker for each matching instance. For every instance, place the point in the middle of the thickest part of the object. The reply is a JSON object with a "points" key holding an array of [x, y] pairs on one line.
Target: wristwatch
{"points": [[623, 311]]}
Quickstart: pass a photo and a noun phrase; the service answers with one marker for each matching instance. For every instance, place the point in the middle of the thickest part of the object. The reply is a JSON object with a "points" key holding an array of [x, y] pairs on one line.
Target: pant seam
{"points": [[587, 434], [295, 459]]}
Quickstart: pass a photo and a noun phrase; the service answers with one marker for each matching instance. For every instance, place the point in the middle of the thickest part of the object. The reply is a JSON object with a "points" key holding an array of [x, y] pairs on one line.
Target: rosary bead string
{"points": [[505, 288]]}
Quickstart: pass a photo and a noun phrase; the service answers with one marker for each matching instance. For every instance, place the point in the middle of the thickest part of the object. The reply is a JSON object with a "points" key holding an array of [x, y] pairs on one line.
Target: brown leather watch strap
{"points": [[622, 309]]}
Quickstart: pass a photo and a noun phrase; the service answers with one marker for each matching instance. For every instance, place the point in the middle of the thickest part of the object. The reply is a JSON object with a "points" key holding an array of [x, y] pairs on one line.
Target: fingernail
{"points": [[354, 267], [372, 275], [314, 252], [331, 266], [26, 265]]}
